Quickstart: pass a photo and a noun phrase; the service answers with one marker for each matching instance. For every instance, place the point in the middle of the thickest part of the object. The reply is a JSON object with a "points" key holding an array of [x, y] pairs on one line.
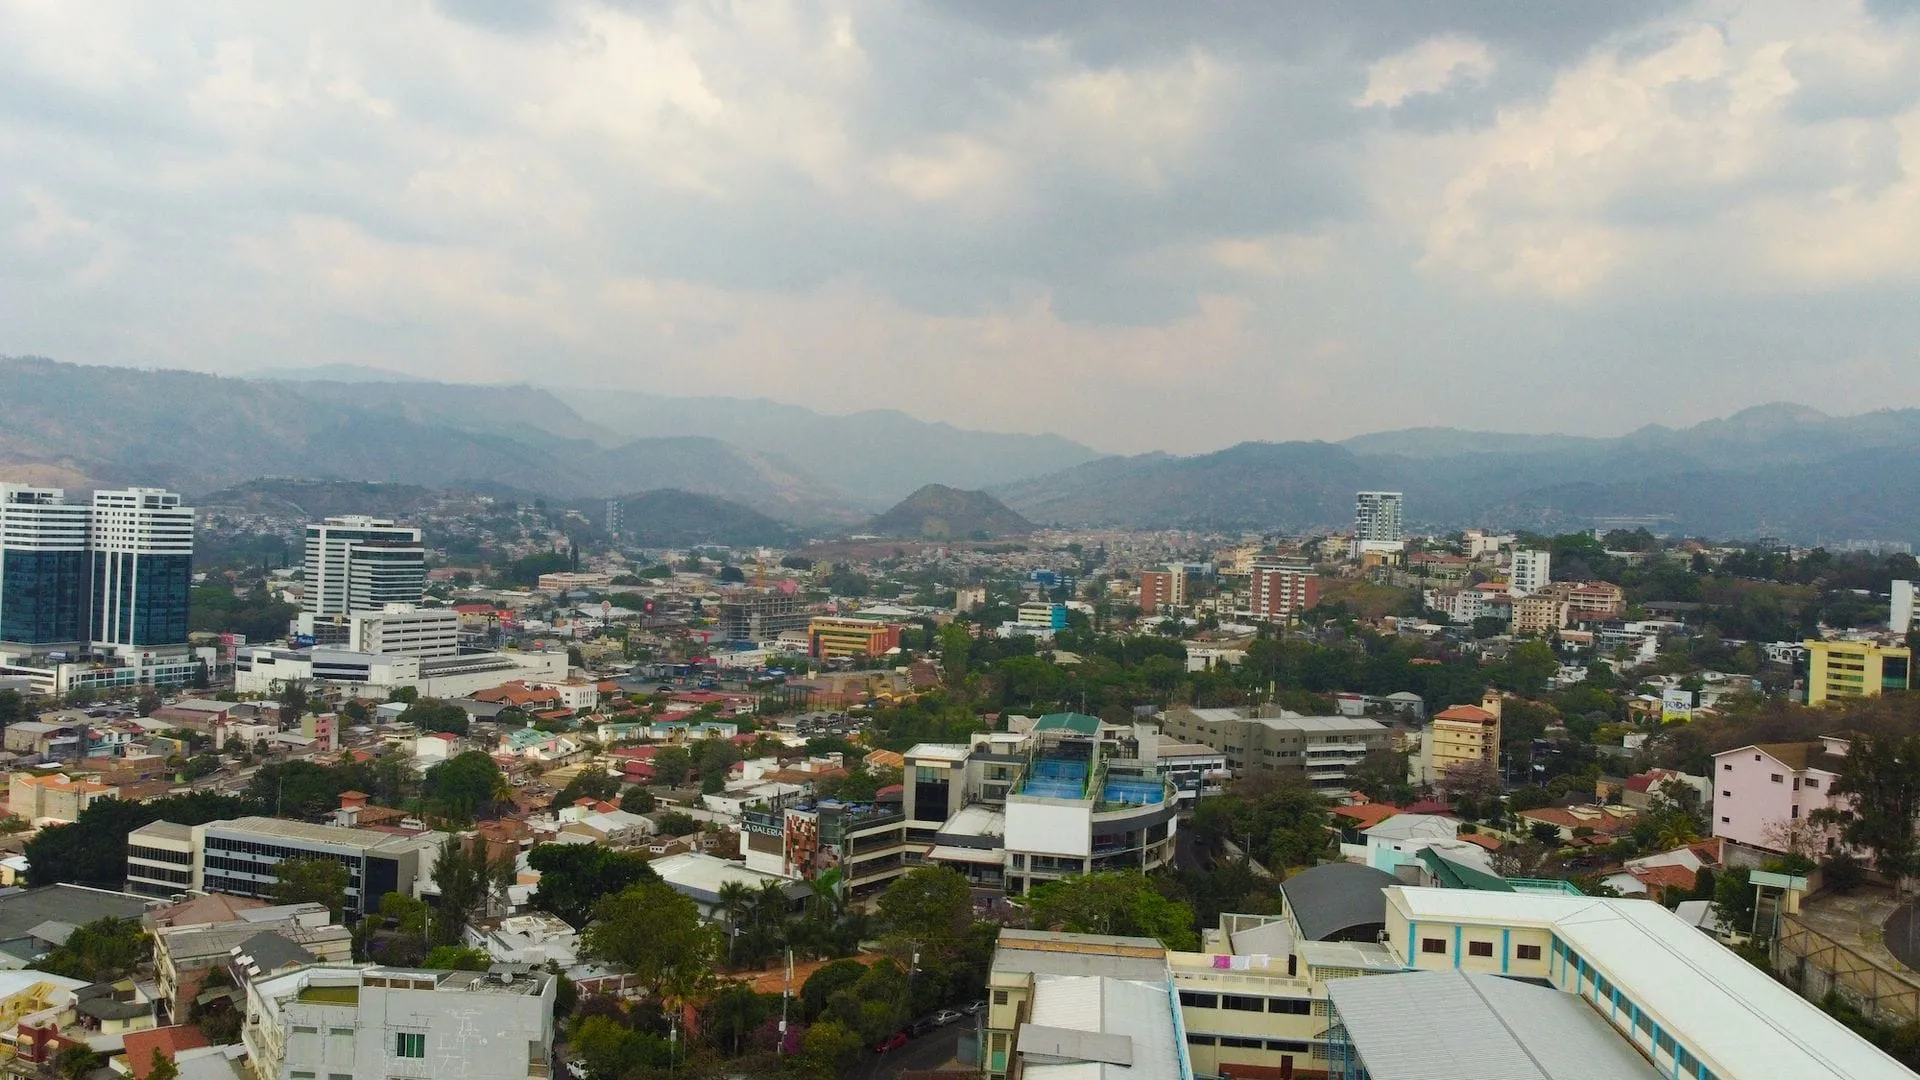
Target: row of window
{"points": [[1638, 1023], [1438, 946], [154, 854], [156, 873], [1238, 1043], [1246, 1003]]}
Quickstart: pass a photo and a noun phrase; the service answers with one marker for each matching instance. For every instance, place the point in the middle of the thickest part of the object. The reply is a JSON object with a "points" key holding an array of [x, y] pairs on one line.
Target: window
{"points": [[1242, 1044], [1811, 782], [999, 997], [1292, 1006], [1726, 794], [1526, 952], [1665, 1042], [1479, 948], [1726, 768], [1795, 812], [345, 1032], [1239, 1003], [1199, 1040], [1287, 1047], [1776, 778], [1726, 821], [1433, 945], [1198, 1000], [304, 1029], [410, 1044]]}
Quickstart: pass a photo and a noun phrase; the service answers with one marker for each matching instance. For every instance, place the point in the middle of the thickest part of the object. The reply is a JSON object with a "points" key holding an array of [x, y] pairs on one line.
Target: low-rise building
{"points": [[396, 1022], [54, 799], [845, 637], [1856, 669], [1765, 794], [238, 856]]}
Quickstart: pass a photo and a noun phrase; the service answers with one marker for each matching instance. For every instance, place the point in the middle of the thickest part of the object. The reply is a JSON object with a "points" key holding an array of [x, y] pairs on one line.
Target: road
{"points": [[928, 1051]]}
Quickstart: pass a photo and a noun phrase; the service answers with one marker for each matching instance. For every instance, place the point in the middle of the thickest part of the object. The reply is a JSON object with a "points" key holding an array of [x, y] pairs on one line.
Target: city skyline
{"points": [[1559, 219]]}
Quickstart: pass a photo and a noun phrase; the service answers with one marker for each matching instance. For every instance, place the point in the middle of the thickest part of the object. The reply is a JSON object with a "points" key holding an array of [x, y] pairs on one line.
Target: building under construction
{"points": [[746, 615]]}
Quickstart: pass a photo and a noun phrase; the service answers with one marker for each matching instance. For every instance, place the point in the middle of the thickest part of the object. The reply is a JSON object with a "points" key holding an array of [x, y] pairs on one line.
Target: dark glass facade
{"points": [[141, 599], [43, 597]]}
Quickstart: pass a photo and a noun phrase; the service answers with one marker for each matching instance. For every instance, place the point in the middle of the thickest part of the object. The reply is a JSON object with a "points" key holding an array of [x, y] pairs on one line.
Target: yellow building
{"points": [[1539, 614], [1856, 669], [1465, 733]]}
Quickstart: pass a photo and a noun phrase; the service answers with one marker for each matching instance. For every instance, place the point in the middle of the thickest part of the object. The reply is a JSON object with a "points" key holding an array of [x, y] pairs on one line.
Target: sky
{"points": [[1141, 224]]}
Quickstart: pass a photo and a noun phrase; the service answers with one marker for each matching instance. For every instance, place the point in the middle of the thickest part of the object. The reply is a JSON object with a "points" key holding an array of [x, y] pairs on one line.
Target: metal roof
{"points": [[1335, 898], [1078, 723], [1733, 1016], [1089, 1018], [1470, 1026]]}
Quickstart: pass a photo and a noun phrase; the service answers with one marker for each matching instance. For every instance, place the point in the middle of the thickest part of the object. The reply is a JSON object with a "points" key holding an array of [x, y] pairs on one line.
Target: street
{"points": [[929, 1051]]}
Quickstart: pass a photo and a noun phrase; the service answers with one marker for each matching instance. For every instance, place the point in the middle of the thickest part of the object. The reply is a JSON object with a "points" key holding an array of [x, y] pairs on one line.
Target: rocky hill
{"points": [[670, 518], [938, 512]]}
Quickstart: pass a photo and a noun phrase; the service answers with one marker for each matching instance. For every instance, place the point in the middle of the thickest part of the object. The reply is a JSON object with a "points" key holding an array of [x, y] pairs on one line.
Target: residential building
{"points": [[1539, 614], [1463, 734], [1162, 590], [843, 637], [1765, 794], [238, 857], [1678, 998], [566, 581], [357, 563], [1480, 544], [1376, 522], [703, 878], [44, 567], [1587, 601], [746, 615], [54, 799], [1279, 590], [1531, 571], [1324, 748], [799, 838], [327, 1021], [1855, 669]]}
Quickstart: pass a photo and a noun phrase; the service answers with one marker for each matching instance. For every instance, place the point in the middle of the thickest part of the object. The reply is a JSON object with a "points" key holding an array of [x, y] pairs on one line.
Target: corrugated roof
{"points": [[1478, 1027], [1335, 898]]}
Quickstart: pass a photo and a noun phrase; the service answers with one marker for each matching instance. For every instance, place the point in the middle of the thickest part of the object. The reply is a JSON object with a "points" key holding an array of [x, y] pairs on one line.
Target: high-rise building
{"points": [[142, 569], [356, 564], [1279, 590], [1376, 521], [1900, 617], [43, 567], [616, 516], [1530, 573], [1855, 669], [1161, 589]]}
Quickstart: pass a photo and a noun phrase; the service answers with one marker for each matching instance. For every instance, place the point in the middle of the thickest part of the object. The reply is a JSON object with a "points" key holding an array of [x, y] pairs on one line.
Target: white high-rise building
{"points": [[1530, 573], [406, 630], [142, 572], [361, 564], [1901, 616], [43, 567], [1376, 521]]}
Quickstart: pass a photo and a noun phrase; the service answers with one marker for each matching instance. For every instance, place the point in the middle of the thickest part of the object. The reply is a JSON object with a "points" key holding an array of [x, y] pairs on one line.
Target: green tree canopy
{"points": [[574, 876], [316, 881], [100, 951], [658, 935], [465, 786], [1122, 902]]}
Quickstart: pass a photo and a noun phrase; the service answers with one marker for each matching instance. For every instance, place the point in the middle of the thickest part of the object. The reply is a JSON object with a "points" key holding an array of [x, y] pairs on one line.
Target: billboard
{"points": [[1050, 829], [1677, 705]]}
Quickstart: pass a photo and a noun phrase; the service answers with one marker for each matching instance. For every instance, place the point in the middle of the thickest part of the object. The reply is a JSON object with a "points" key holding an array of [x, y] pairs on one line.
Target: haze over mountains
{"points": [[1782, 470]]}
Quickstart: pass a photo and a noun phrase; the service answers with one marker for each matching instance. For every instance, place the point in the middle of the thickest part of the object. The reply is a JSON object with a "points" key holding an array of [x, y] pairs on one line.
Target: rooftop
{"points": [[1334, 899], [1089, 1027], [364, 839], [1478, 1027], [1039, 952], [1738, 1020], [78, 905]]}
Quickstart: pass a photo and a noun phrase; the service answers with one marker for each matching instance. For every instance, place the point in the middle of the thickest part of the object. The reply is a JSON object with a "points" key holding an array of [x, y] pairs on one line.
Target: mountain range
{"points": [[1781, 470]]}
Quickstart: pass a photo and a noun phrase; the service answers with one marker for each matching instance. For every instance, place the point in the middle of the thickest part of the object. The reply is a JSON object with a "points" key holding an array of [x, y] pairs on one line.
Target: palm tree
{"points": [[735, 901]]}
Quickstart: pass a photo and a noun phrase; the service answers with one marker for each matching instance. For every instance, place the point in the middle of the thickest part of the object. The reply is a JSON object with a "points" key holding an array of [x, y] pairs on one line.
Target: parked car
{"points": [[892, 1042], [946, 1016], [975, 1008], [923, 1025]]}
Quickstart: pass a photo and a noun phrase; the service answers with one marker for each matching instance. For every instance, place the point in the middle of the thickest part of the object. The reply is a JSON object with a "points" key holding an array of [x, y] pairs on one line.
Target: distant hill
{"points": [[938, 512], [878, 455], [1782, 470], [671, 518], [103, 426], [344, 373], [315, 499]]}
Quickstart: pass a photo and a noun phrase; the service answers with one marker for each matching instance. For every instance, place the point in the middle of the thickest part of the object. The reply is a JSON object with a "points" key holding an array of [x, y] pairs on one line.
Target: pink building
{"points": [[1764, 794]]}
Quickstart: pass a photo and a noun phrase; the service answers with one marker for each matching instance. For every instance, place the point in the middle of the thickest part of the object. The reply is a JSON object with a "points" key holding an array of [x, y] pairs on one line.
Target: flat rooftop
{"points": [[364, 839], [1039, 952]]}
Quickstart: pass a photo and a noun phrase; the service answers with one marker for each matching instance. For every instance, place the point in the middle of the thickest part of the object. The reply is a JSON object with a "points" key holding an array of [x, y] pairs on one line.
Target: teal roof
{"points": [[1078, 723], [1453, 875]]}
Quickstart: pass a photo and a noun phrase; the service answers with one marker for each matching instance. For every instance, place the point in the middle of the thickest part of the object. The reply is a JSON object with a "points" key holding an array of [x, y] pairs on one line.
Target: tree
{"points": [[574, 876], [465, 786], [1529, 666], [14, 707], [458, 958], [316, 881], [1879, 779], [825, 982], [76, 1060], [828, 1048], [592, 783], [671, 765], [293, 701], [1474, 781], [1381, 775], [1733, 900], [100, 951], [93, 850], [434, 715], [658, 935], [675, 823], [1122, 902], [928, 905], [161, 1067], [637, 800], [469, 884]]}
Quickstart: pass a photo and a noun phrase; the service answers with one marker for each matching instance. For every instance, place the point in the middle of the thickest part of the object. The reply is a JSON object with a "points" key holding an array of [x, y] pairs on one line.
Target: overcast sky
{"points": [[1140, 223]]}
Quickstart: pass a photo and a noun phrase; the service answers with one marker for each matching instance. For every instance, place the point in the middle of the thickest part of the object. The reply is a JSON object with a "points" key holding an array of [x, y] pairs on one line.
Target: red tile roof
{"points": [[168, 1040], [1368, 815], [1472, 713]]}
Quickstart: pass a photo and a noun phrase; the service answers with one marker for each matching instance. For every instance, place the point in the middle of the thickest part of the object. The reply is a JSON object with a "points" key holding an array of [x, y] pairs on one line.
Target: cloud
{"points": [[1141, 224]]}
